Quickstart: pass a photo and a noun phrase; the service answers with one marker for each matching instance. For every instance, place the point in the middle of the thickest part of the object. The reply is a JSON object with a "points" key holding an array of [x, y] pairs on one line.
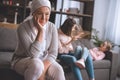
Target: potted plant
{"points": [[95, 37]]}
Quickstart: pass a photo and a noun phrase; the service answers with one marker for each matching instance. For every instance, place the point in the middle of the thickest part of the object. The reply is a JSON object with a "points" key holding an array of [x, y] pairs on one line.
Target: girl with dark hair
{"points": [[65, 48]]}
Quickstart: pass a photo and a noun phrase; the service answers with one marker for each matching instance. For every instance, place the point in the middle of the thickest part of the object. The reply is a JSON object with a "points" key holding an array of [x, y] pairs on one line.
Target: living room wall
{"points": [[106, 20], [100, 16]]}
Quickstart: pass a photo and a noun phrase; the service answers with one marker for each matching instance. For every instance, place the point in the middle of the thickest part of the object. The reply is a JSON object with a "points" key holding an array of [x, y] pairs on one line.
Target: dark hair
{"points": [[67, 26]]}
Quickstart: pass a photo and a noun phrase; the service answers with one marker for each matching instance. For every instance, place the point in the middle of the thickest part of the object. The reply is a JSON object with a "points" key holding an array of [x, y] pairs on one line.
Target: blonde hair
{"points": [[109, 45]]}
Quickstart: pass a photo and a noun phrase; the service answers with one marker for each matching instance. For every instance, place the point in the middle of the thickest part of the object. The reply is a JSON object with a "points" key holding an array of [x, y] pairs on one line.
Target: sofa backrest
{"points": [[83, 43], [8, 39]]}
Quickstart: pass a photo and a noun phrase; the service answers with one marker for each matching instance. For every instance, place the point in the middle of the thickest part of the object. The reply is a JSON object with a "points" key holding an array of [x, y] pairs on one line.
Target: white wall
{"points": [[99, 17]]}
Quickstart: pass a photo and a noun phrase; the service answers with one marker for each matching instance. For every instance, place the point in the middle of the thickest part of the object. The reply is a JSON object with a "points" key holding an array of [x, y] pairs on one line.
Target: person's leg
{"points": [[88, 61], [55, 72], [30, 68], [81, 54], [89, 67], [85, 53], [70, 60], [78, 52]]}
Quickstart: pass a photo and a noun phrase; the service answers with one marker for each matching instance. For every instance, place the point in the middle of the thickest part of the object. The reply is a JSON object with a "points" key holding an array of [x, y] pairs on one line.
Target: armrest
{"points": [[114, 65]]}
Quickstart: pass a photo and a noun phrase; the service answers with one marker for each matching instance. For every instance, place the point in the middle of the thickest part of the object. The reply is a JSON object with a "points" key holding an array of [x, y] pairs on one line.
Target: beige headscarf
{"points": [[39, 3]]}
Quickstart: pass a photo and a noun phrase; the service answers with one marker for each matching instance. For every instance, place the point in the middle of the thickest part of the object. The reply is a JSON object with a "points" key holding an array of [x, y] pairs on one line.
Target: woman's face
{"points": [[42, 15], [103, 46]]}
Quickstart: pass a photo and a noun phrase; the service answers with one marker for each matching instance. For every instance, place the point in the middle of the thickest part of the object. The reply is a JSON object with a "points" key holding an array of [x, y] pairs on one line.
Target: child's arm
{"points": [[97, 55], [69, 42], [100, 57], [63, 47]]}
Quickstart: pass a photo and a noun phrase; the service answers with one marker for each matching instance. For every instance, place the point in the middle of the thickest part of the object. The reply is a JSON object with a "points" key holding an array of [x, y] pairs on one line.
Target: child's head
{"points": [[67, 26], [105, 46]]}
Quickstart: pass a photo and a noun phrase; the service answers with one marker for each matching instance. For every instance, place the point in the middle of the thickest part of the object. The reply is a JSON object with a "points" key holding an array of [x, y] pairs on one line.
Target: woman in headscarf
{"points": [[37, 49]]}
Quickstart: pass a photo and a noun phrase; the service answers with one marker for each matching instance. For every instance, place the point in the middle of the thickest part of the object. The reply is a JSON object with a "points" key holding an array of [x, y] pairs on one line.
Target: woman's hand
{"points": [[39, 28], [37, 23]]}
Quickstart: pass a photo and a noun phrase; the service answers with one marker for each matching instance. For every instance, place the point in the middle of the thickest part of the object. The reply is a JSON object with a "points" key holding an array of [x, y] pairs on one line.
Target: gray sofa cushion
{"points": [[9, 74], [8, 40], [5, 59], [83, 43], [87, 43]]}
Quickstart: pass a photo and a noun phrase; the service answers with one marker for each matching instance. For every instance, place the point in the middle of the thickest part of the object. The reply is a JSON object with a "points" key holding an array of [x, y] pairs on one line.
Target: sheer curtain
{"points": [[112, 29]]}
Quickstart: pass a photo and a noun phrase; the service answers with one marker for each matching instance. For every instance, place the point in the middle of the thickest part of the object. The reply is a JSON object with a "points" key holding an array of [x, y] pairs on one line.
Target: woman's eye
{"points": [[47, 14]]}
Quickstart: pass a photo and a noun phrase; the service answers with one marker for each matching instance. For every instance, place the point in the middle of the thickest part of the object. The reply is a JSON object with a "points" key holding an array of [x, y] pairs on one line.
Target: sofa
{"points": [[105, 69]]}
